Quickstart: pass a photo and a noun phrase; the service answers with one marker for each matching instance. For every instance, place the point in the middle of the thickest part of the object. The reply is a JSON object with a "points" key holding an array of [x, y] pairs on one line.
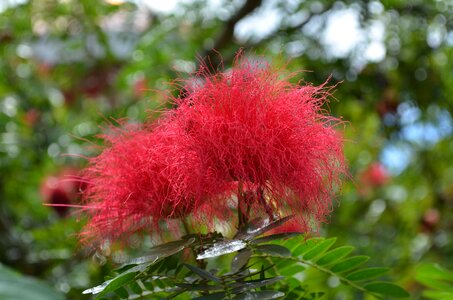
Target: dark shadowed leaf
{"points": [[135, 287], [240, 260], [199, 287], [122, 293], [259, 226], [253, 284], [366, 274], [214, 296], [387, 289], [203, 273], [274, 250]]}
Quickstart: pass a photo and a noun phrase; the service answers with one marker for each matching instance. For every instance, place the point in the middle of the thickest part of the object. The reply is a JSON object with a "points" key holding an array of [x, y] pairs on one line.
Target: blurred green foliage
{"points": [[69, 66]]}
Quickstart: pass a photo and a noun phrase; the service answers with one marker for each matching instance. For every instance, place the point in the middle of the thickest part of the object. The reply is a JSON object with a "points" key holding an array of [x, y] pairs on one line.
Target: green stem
{"points": [[242, 217], [200, 262]]}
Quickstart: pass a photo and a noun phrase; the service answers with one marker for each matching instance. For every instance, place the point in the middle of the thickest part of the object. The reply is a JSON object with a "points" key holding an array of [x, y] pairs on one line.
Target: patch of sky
{"points": [[415, 131]]}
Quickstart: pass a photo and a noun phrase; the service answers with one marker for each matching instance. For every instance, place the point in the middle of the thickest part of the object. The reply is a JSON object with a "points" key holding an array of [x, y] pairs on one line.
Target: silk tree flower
{"points": [[271, 137], [244, 140], [143, 177]]}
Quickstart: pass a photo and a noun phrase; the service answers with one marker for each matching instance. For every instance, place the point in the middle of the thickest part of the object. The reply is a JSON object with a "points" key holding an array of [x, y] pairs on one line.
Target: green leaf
{"points": [[262, 274], [202, 273], [112, 284], [292, 270], [240, 259], [259, 226], [366, 274], [349, 264], [319, 249], [306, 246], [135, 287], [434, 271], [253, 284], [274, 250], [316, 295], [116, 282], [438, 295], [386, 289], [260, 295], [273, 237], [199, 287], [334, 255], [122, 293], [14, 286], [162, 251], [222, 248]]}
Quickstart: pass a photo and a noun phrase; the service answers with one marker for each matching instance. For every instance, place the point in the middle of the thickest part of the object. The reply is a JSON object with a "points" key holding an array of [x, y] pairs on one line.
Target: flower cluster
{"points": [[243, 140]]}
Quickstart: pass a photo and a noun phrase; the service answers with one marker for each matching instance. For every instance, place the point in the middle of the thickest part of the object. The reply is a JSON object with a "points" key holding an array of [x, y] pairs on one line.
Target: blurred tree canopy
{"points": [[67, 66]]}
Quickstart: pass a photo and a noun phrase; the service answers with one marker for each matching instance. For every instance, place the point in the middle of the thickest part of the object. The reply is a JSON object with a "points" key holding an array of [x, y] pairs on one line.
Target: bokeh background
{"points": [[68, 66]]}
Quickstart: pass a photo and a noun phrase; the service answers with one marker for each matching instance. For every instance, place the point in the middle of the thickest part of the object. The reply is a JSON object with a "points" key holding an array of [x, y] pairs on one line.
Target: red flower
{"points": [[375, 175], [61, 191], [140, 87], [270, 136], [244, 135], [141, 178]]}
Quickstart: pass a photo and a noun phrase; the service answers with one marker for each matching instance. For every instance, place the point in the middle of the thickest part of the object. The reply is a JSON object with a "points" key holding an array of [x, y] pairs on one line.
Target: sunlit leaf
{"points": [[319, 249], [387, 289], [366, 274], [349, 264], [306, 246], [222, 248], [334, 255], [112, 284]]}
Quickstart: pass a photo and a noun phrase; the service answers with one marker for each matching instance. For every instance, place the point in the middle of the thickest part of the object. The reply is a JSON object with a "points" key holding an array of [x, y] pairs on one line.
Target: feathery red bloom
{"points": [[142, 177], [246, 135], [270, 136]]}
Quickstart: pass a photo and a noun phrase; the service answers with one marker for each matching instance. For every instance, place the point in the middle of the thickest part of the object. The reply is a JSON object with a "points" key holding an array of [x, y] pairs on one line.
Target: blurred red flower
{"points": [[375, 175], [61, 191]]}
